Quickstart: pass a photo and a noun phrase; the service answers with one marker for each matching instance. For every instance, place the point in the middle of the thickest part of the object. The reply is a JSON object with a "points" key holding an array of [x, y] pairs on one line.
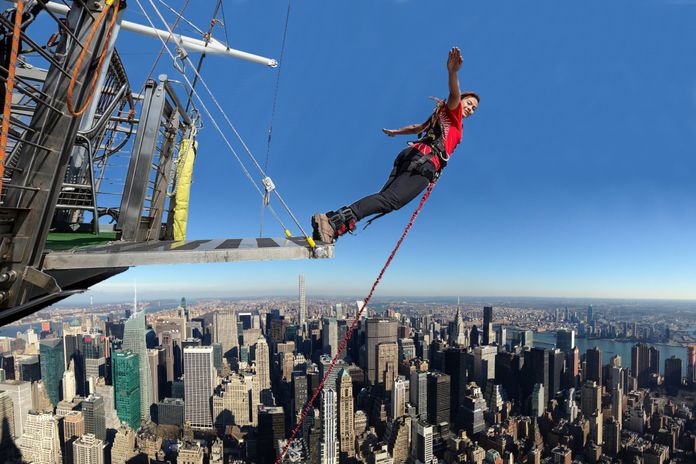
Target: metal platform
{"points": [[185, 252]]}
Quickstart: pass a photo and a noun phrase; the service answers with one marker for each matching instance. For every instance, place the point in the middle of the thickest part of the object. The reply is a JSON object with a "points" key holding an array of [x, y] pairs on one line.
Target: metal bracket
{"points": [[41, 280]]}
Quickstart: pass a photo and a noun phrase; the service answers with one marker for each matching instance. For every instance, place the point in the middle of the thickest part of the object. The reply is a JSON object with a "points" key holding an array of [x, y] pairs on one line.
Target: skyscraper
{"points": [[418, 392], [52, 367], [329, 336], [94, 415], [7, 424], [302, 311], [134, 340], [456, 366], [594, 365], [262, 360], [387, 364], [488, 334], [691, 364], [459, 334], [378, 330], [640, 364], [471, 413], [398, 398], [438, 398], [346, 429], [673, 371], [20, 394], [591, 398], [422, 442], [225, 331], [123, 449], [565, 340], [329, 416], [126, 378], [271, 429], [88, 450], [590, 316], [199, 385], [69, 384], [40, 429]]}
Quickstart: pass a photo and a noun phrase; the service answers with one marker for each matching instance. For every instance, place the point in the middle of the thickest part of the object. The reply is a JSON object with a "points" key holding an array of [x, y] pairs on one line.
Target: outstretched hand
{"points": [[454, 60], [389, 132]]}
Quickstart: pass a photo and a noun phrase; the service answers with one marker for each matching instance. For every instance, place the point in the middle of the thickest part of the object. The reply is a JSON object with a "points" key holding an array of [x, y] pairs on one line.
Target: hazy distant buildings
{"points": [[302, 310]]}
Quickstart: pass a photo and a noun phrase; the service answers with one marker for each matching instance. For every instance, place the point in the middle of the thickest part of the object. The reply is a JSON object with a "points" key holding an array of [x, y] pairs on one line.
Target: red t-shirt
{"points": [[451, 123]]}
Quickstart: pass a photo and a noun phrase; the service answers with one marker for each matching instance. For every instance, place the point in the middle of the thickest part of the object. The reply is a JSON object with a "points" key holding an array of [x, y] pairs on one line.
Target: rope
{"points": [[83, 53], [273, 108], [10, 86], [214, 121], [309, 239], [305, 411]]}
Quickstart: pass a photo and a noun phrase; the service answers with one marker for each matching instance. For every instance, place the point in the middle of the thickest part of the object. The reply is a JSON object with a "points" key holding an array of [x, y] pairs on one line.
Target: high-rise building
{"points": [[471, 413], [378, 330], [346, 427], [538, 368], [538, 402], [565, 340], [126, 378], [488, 334], [591, 398], [7, 420], [225, 331], [397, 437], [73, 425], [94, 415], [199, 385], [329, 445], [459, 334], [52, 367], [590, 316], [153, 362], [134, 340], [457, 367], [484, 364], [556, 366], [329, 336], [617, 404], [438, 398], [302, 311], [691, 364], [399, 398], [20, 394], [572, 367], [123, 449], [88, 450], [594, 365], [299, 393], [387, 364], [40, 428], [407, 349], [271, 429], [190, 452], [233, 403], [262, 360], [612, 437], [69, 383], [640, 364], [673, 371], [422, 442], [418, 392]]}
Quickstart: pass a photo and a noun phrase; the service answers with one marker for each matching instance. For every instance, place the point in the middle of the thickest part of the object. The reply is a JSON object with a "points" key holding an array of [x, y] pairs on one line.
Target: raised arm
{"points": [[454, 62], [407, 130]]}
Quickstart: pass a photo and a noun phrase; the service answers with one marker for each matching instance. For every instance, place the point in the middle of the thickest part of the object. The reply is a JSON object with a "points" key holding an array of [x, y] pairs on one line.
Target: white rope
{"points": [[213, 120], [224, 115]]}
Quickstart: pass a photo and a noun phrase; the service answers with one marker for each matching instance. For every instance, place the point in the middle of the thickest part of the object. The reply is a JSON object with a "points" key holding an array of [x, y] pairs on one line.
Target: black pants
{"points": [[402, 186]]}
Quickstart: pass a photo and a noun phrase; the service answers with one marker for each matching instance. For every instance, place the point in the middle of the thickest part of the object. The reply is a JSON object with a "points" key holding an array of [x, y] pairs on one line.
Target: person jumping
{"points": [[415, 167]]}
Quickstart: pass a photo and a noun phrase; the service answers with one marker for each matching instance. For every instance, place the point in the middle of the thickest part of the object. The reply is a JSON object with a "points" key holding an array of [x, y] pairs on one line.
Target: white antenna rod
{"points": [[214, 47]]}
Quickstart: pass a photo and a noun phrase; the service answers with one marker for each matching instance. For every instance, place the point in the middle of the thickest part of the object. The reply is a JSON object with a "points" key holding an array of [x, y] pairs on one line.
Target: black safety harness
{"points": [[433, 137]]}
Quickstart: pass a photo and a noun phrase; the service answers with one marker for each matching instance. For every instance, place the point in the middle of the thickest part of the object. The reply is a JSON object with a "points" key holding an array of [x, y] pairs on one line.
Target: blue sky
{"points": [[574, 178]]}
